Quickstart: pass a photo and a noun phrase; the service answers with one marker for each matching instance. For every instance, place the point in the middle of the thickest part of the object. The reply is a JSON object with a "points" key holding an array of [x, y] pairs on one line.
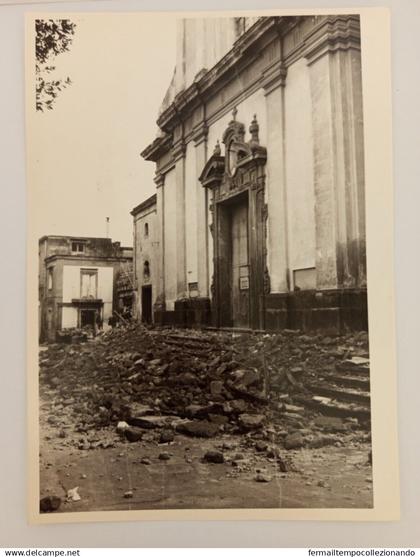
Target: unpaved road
{"points": [[327, 477]]}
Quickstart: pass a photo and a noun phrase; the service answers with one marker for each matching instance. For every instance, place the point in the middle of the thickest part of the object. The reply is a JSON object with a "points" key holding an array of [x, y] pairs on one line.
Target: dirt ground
{"points": [[339, 479], [328, 468]]}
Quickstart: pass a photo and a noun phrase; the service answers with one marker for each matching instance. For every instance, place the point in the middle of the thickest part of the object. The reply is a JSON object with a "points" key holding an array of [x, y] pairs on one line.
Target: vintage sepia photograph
{"points": [[198, 201]]}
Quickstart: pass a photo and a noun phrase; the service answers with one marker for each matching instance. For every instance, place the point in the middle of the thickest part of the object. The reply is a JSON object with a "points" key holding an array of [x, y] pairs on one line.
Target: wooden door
{"points": [[146, 304], [87, 318], [240, 265]]}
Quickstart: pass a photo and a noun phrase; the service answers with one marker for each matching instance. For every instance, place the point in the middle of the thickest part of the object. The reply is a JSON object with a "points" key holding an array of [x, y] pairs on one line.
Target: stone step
{"points": [[337, 392], [356, 366], [340, 409], [186, 345], [177, 338], [190, 350], [359, 381]]}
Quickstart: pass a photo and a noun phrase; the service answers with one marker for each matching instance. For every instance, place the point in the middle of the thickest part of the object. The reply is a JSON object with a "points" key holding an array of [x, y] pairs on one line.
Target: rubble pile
{"points": [[210, 406], [75, 335], [154, 384]]}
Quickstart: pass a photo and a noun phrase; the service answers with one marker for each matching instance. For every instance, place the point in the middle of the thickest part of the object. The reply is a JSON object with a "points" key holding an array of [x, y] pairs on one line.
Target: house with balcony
{"points": [[77, 282]]}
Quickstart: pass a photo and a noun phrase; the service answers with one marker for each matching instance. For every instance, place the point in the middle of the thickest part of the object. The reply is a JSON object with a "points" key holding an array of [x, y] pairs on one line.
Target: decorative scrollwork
{"points": [[267, 281]]}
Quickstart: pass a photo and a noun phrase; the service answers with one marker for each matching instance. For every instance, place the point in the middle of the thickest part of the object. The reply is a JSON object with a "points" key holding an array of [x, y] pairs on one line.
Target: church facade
{"points": [[260, 193]]}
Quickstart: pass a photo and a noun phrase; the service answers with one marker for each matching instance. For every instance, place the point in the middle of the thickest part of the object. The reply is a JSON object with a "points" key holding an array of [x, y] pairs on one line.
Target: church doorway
{"points": [[236, 181], [232, 262]]}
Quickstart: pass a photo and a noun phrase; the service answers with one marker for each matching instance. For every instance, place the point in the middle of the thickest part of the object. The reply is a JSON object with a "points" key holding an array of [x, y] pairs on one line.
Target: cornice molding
{"points": [[200, 133], [157, 148], [81, 260], [159, 179], [213, 171], [178, 150], [273, 77], [333, 34], [164, 169], [149, 202], [195, 93]]}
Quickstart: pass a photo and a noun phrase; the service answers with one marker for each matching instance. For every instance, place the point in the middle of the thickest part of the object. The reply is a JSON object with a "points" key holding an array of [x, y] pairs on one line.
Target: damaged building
{"points": [[146, 254], [78, 280], [259, 216]]}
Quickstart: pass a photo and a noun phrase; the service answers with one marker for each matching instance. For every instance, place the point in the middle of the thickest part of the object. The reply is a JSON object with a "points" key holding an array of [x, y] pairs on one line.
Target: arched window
{"points": [[146, 270], [50, 278], [146, 229]]}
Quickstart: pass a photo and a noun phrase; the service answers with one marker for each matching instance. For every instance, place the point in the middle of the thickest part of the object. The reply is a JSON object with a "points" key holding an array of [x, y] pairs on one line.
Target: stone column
{"points": [[159, 302], [333, 55], [274, 79], [181, 274], [200, 141]]}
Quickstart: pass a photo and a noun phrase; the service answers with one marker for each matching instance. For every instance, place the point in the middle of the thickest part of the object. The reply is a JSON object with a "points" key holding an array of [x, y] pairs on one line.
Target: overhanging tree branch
{"points": [[52, 37]]}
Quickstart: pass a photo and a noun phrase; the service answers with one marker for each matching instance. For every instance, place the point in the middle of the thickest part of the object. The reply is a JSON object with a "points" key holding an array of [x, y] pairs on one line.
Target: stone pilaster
{"points": [[159, 301], [273, 82], [333, 54], [181, 275], [200, 142]]}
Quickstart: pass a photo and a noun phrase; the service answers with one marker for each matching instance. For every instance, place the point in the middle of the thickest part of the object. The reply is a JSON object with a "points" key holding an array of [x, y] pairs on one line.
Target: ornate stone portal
{"points": [[237, 183]]}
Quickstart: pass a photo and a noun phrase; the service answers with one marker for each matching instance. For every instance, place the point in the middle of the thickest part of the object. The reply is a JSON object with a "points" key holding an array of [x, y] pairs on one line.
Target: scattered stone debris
{"points": [[330, 423], [73, 494], [122, 426], [294, 441], [216, 457], [49, 504], [167, 436], [251, 421], [74, 335], [261, 446], [257, 398], [198, 428], [262, 478], [133, 434], [146, 379]]}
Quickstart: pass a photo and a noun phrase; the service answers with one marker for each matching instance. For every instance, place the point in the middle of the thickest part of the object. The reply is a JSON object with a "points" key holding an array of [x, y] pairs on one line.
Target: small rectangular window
{"points": [[77, 247], [88, 283], [50, 278]]}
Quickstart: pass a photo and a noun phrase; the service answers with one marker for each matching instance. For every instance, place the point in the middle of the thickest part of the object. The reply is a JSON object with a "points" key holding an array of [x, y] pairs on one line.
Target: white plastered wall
{"points": [[299, 169], [191, 185], [69, 317], [170, 253], [71, 290]]}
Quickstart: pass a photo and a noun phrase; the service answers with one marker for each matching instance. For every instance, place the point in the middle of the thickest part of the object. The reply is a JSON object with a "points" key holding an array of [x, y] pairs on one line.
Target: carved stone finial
{"points": [[254, 128], [217, 150], [234, 113]]}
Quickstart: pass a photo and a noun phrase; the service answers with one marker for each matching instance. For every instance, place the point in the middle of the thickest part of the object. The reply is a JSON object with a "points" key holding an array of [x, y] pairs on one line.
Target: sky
{"points": [[87, 149]]}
